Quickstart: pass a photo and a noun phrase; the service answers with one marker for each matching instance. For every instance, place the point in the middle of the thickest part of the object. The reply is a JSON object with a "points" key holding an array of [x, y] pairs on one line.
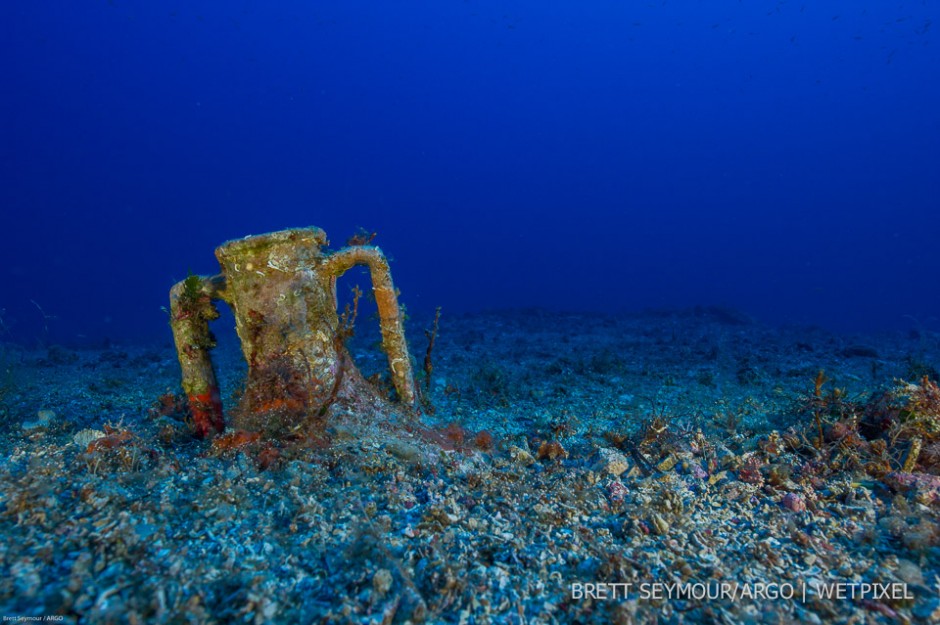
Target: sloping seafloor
{"points": [[673, 454]]}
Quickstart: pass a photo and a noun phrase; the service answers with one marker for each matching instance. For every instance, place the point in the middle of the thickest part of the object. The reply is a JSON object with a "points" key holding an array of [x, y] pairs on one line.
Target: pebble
{"points": [[610, 461]]}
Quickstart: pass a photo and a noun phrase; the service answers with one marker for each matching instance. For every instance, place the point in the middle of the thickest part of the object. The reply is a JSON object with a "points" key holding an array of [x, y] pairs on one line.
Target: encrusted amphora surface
{"points": [[281, 288]]}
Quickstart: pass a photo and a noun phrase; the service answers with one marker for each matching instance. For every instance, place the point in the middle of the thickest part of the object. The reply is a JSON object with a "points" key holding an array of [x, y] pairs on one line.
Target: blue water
{"points": [[782, 158]]}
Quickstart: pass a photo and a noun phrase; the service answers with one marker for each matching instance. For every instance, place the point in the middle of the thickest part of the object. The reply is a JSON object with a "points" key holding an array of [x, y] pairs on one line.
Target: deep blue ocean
{"points": [[781, 158]]}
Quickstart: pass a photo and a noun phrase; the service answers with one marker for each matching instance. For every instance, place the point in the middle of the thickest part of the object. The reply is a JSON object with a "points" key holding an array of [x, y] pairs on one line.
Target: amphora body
{"points": [[281, 288]]}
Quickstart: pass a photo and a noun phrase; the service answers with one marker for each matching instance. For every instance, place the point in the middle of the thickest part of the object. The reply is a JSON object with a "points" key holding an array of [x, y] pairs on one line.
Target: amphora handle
{"points": [[390, 318], [192, 307]]}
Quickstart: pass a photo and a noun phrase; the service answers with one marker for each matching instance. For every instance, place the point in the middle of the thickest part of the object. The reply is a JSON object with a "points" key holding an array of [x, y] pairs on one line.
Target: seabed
{"points": [[566, 468]]}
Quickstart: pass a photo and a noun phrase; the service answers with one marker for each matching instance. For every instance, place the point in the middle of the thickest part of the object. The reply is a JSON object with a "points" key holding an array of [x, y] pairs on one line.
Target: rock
{"points": [[588, 567], [521, 456], [382, 582], [927, 611], [667, 464], [793, 502], [145, 531], [925, 487], [611, 461], [717, 477], [43, 419], [26, 578], [909, 573], [616, 491], [807, 616], [725, 457], [403, 450], [697, 471], [659, 525], [342, 433]]}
